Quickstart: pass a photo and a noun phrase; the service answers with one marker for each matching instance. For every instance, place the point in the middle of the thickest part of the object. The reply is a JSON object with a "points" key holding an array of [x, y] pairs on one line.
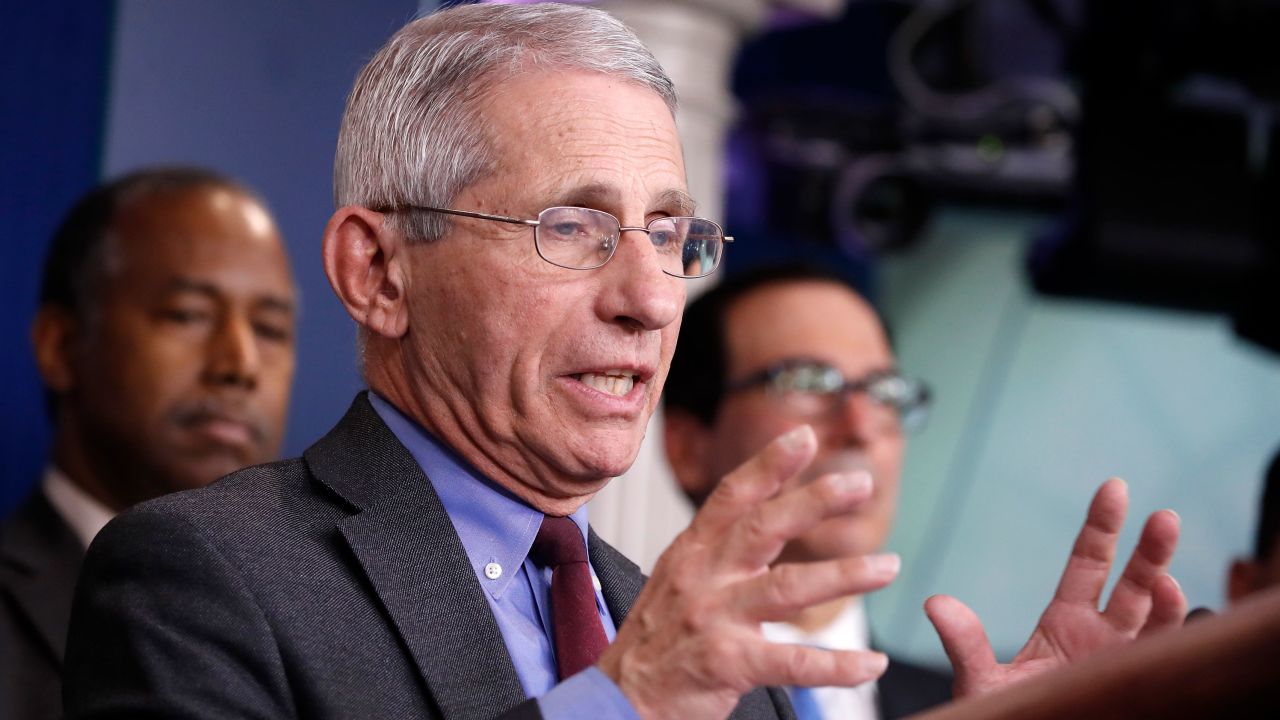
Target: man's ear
{"points": [[53, 334], [366, 265], [688, 443], [1243, 579]]}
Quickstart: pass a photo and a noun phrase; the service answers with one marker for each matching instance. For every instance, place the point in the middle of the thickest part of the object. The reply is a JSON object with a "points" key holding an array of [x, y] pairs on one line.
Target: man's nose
{"points": [[638, 292], [858, 419], [233, 357]]}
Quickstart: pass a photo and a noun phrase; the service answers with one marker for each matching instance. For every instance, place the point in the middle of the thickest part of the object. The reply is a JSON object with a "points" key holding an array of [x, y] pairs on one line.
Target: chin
{"points": [[605, 468], [608, 452]]}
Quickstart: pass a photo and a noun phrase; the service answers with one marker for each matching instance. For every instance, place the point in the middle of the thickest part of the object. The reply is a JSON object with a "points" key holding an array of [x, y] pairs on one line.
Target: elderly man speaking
{"points": [[513, 239]]}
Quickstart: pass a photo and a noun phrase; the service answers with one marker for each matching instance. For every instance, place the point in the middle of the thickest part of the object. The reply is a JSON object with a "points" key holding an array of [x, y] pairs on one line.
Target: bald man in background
{"points": [[164, 340]]}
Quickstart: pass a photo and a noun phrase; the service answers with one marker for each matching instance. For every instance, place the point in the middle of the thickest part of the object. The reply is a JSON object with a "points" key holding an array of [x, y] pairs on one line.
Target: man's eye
{"points": [[569, 230], [272, 332], [185, 316], [815, 379], [799, 380], [662, 238], [889, 390]]}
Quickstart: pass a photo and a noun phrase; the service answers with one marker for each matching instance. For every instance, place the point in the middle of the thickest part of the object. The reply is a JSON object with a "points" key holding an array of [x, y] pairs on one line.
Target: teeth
{"points": [[614, 382]]}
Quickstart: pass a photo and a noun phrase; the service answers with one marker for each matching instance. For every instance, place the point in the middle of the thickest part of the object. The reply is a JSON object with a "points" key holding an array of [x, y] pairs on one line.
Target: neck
{"points": [[816, 618], [458, 428], [77, 462]]}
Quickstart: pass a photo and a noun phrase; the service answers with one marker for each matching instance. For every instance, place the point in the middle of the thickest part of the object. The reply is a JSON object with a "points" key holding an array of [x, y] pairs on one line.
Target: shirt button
{"points": [[493, 571], [595, 581]]}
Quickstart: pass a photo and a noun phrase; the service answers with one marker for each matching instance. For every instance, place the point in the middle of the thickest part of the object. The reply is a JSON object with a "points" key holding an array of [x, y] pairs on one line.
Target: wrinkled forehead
{"points": [[584, 138]]}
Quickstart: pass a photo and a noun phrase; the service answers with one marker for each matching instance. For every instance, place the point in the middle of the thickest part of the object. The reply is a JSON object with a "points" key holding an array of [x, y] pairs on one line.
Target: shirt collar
{"points": [[79, 510], [847, 631], [495, 526]]}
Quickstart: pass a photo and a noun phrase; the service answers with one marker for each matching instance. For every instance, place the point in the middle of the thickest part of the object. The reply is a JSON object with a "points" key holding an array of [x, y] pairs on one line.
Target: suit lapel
{"points": [[406, 546], [39, 561], [620, 579]]}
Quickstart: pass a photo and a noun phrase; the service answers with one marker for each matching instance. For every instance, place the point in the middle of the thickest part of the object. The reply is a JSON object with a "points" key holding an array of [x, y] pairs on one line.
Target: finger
{"points": [[1168, 606], [963, 638], [806, 666], [1095, 547], [758, 479], [1131, 600], [789, 588], [757, 538]]}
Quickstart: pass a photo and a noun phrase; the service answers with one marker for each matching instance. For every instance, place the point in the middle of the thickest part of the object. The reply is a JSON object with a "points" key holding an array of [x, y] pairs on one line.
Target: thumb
{"points": [[964, 640]]}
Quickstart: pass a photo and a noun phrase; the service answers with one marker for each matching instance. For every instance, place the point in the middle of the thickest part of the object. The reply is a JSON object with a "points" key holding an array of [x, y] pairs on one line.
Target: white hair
{"points": [[412, 134]]}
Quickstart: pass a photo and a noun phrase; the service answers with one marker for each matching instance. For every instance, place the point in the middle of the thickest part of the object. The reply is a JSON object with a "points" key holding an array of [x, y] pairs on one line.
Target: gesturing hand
{"points": [[691, 646], [1145, 599]]}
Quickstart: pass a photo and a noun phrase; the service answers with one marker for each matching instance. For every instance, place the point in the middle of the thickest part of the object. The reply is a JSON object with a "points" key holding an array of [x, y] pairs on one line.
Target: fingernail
{"points": [[877, 663], [884, 563], [798, 438], [850, 483]]}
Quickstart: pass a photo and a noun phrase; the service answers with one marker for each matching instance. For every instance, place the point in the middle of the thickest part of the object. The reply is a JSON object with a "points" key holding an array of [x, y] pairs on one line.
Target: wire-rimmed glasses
{"points": [[581, 238], [814, 387]]}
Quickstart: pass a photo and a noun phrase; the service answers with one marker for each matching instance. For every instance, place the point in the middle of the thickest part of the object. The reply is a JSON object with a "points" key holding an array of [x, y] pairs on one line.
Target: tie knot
{"points": [[559, 542]]}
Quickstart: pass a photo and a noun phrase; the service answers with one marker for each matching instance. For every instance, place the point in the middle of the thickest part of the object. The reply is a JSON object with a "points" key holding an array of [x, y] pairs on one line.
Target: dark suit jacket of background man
{"points": [[333, 585], [906, 689], [39, 559]]}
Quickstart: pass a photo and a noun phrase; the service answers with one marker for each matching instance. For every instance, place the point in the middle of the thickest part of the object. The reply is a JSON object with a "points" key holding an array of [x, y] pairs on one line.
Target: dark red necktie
{"points": [[575, 622]]}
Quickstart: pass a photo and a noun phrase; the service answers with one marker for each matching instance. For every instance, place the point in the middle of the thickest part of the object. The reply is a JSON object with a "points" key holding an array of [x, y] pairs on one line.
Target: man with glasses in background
{"points": [[513, 238], [769, 350]]}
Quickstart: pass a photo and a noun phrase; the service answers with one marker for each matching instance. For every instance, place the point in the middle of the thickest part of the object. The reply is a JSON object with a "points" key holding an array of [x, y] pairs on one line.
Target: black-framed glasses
{"points": [[814, 386], [581, 238]]}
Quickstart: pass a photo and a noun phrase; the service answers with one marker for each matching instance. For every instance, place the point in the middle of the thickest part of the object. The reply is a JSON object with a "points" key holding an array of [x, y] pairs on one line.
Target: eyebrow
{"points": [[270, 302], [679, 200], [601, 196], [597, 195]]}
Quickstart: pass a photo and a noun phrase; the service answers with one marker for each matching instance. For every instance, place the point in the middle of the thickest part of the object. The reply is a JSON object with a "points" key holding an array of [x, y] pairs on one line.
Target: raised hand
{"points": [[1146, 599], [691, 646]]}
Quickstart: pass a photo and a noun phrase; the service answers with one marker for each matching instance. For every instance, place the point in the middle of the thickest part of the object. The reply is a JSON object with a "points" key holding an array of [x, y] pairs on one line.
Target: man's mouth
{"points": [[224, 425], [614, 382], [226, 431]]}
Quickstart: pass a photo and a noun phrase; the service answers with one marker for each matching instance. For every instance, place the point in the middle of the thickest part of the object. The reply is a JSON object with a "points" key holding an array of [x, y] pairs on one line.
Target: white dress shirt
{"points": [[79, 510], [849, 631]]}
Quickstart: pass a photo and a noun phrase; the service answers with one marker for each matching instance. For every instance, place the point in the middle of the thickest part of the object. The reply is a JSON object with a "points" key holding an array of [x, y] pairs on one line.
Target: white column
{"points": [[696, 41]]}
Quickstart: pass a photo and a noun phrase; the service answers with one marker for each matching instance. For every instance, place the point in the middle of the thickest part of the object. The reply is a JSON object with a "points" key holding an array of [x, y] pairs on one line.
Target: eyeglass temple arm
{"points": [[761, 377], [479, 216]]}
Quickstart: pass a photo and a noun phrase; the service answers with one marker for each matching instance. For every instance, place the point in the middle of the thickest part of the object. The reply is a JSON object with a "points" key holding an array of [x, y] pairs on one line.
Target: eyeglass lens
{"points": [[583, 238], [817, 388]]}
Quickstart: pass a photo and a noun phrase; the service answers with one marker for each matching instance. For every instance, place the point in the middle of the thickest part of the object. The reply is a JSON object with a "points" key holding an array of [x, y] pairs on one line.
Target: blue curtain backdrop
{"points": [[54, 80]]}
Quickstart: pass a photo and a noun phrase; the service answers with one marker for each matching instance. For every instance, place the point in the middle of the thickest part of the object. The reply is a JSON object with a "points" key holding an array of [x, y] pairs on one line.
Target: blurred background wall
{"points": [[54, 74], [990, 227]]}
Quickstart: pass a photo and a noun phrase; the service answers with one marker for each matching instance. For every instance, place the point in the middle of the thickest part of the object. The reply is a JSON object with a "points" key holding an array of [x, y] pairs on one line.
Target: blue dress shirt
{"points": [[497, 529]]}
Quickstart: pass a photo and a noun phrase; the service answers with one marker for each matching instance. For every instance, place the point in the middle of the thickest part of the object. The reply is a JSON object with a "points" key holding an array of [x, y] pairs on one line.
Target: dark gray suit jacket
{"points": [[331, 586], [907, 689], [39, 559]]}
